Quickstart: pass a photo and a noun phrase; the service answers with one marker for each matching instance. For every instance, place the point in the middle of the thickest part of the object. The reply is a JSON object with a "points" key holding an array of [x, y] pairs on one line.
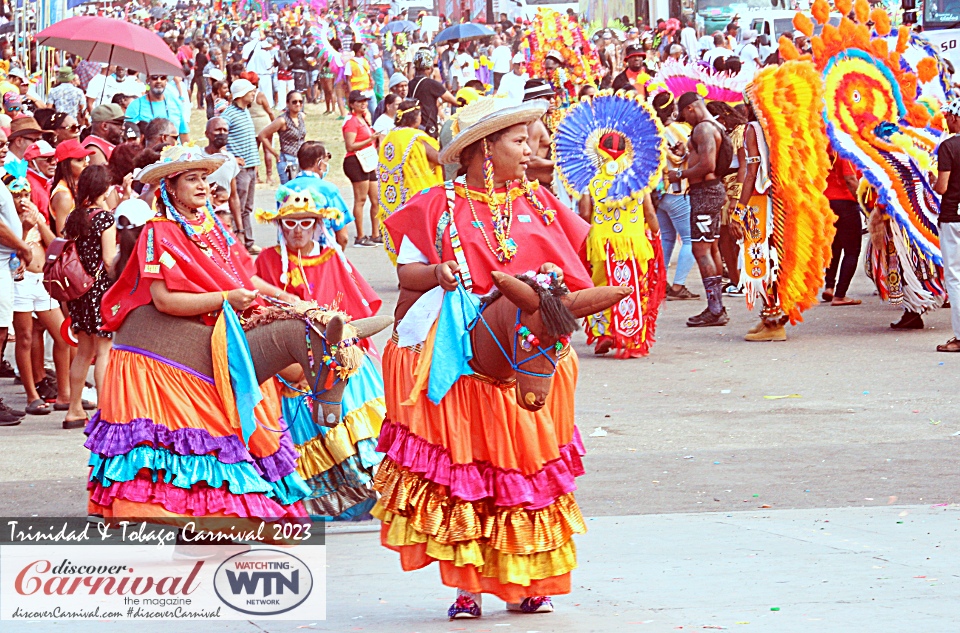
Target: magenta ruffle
{"points": [[481, 480], [110, 439], [198, 501]]}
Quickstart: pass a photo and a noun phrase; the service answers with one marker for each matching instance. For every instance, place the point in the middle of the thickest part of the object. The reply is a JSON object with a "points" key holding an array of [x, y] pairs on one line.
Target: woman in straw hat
{"points": [[157, 415], [338, 463], [522, 463]]}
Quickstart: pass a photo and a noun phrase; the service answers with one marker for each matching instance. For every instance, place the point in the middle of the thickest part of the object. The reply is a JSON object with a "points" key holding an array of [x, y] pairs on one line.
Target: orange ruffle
{"points": [[137, 386], [430, 511], [480, 421]]}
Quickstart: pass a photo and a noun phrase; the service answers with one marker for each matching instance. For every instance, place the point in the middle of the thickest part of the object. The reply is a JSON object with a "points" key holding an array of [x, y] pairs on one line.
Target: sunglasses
{"points": [[296, 101], [14, 109], [158, 77], [70, 128], [305, 223]]}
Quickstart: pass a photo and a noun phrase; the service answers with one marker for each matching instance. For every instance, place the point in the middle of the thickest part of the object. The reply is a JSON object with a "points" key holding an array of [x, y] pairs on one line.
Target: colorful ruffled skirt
{"points": [[162, 448], [339, 463], [479, 484]]}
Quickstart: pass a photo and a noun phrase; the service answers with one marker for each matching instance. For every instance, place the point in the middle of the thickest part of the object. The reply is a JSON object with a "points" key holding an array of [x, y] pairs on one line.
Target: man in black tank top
{"points": [[708, 160]]}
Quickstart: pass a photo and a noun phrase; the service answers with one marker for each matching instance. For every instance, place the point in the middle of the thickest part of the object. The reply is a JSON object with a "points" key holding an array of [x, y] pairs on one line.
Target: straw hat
{"points": [[177, 159], [485, 116]]}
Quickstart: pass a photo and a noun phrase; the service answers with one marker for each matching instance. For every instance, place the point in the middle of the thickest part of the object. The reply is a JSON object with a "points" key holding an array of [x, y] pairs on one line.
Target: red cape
{"points": [[165, 252], [560, 242], [327, 277]]}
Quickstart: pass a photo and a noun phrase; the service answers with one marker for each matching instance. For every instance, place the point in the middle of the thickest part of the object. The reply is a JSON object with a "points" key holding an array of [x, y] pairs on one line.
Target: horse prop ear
{"points": [[371, 325], [592, 300], [517, 292], [334, 331]]}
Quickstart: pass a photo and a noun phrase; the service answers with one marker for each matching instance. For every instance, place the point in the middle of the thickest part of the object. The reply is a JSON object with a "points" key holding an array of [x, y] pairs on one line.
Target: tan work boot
{"points": [[756, 328], [768, 333]]}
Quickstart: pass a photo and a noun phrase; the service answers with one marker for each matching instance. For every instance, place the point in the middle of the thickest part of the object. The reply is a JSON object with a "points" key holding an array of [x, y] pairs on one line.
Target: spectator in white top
{"points": [[264, 63], [501, 61], [719, 49], [385, 122], [462, 69], [102, 88], [688, 38], [749, 54], [513, 83]]}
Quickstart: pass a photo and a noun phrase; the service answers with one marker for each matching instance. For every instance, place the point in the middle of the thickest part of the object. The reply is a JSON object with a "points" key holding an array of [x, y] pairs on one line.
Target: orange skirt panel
{"points": [[479, 421], [137, 386]]}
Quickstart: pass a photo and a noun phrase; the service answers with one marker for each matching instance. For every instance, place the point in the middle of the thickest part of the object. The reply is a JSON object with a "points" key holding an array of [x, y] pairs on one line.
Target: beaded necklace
{"points": [[500, 217]]}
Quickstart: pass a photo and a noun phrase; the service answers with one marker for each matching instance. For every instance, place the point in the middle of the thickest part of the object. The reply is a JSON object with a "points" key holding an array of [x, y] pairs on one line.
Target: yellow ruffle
{"points": [[324, 452], [428, 509], [519, 569]]}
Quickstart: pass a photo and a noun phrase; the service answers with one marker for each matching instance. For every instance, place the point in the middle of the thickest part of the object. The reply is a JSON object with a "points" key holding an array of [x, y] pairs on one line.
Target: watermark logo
{"points": [[263, 582]]}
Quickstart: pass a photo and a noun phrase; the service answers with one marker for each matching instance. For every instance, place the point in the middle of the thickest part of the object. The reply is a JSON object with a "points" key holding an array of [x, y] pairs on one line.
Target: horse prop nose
{"points": [[533, 402]]}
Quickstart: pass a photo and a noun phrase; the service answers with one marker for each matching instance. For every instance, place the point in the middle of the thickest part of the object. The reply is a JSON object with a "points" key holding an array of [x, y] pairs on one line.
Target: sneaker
{"points": [[5, 410], [537, 604], [6, 370], [254, 250], [363, 242], [683, 294], [378, 240], [733, 290], [707, 319], [464, 607]]}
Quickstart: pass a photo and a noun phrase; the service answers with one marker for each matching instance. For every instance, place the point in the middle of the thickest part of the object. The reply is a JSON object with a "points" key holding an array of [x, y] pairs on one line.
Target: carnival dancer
{"points": [[709, 157], [784, 218], [409, 163], [891, 138], [465, 481], [338, 463], [164, 445], [611, 150]]}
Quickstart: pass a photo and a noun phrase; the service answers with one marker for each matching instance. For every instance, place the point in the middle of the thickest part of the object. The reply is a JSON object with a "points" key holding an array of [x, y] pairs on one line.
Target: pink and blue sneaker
{"points": [[467, 605], [536, 604]]}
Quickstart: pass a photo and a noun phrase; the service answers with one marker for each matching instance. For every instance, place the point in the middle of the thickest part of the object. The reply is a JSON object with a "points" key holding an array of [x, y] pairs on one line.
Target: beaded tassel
{"points": [[547, 215]]}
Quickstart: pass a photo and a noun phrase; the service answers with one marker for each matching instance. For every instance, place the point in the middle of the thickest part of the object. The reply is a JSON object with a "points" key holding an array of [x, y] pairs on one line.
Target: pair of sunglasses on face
{"points": [[304, 223]]}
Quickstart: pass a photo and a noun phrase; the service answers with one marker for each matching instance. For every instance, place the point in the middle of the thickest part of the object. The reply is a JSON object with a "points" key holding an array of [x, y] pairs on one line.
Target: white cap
{"points": [[519, 58], [241, 87], [749, 35], [216, 74], [136, 212]]}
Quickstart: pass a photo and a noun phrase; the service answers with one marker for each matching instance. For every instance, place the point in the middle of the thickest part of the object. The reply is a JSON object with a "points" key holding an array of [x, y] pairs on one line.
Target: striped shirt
{"points": [[242, 141]]}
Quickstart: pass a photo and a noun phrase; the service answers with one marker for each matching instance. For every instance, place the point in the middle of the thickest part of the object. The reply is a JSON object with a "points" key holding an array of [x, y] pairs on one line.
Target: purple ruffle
{"points": [[480, 480], [110, 439]]}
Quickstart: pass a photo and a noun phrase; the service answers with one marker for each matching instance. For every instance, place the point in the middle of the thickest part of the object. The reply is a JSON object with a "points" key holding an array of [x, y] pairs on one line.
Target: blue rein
{"points": [[315, 393], [512, 359]]}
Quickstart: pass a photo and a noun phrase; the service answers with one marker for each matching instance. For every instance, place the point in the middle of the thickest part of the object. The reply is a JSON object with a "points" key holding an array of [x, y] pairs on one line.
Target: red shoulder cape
{"points": [[326, 278], [165, 252], [560, 242]]}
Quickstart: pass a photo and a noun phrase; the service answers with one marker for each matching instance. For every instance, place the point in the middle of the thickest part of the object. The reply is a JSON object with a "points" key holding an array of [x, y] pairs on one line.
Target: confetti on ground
{"points": [[792, 395], [724, 391], [598, 432], [774, 608]]}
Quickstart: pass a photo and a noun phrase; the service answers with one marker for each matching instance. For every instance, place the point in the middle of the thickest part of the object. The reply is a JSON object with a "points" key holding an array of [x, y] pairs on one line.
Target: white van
{"points": [[527, 9], [775, 23]]}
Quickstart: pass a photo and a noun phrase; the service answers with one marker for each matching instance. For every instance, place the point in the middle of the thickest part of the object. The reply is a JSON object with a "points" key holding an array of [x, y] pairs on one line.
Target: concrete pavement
{"points": [[688, 436]]}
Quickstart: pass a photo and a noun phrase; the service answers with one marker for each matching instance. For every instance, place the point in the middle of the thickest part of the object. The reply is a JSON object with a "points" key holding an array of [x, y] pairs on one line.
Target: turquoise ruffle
{"points": [[185, 471], [364, 386], [353, 472], [358, 512]]}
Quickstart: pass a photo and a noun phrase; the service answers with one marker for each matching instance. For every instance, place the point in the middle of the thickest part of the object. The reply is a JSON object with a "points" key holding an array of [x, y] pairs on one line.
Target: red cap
{"points": [[71, 149]]}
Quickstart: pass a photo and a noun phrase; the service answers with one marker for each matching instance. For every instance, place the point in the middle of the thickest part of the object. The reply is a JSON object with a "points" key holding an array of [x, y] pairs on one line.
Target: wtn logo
{"points": [[263, 582], [273, 581]]}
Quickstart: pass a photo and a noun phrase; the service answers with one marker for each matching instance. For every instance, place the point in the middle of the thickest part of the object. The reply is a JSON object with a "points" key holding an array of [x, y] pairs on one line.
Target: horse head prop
{"points": [[326, 347], [527, 322], [323, 343]]}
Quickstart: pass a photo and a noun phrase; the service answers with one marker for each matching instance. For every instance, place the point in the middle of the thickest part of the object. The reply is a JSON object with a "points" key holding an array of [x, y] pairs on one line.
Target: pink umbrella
{"points": [[113, 42]]}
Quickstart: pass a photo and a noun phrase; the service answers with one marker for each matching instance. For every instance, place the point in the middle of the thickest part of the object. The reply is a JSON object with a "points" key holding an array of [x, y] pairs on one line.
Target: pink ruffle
{"points": [[481, 480], [197, 501]]}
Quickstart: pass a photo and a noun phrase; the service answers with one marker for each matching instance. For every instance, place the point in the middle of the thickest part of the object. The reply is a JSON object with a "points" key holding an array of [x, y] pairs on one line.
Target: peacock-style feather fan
{"points": [[580, 159]]}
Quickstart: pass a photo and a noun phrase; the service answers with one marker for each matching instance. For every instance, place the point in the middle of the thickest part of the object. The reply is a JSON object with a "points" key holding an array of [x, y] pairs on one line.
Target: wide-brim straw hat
{"points": [[178, 159], [486, 116]]}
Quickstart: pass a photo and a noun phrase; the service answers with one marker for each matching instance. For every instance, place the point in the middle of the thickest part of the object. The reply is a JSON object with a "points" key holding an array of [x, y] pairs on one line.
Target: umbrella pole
{"points": [[109, 64]]}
